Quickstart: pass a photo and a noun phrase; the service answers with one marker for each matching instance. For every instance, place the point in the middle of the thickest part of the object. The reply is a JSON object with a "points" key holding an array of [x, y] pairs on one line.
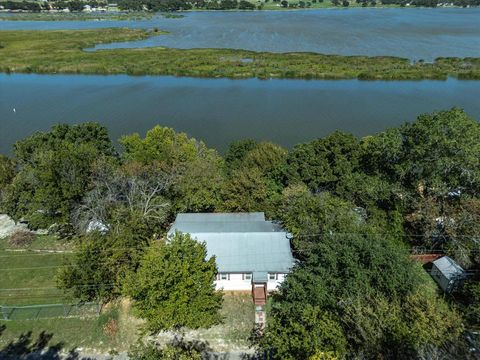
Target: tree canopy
{"points": [[174, 286]]}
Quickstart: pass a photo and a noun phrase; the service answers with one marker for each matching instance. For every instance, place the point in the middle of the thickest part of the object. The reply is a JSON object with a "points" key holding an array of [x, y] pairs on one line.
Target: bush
{"points": [[246, 5], [22, 238]]}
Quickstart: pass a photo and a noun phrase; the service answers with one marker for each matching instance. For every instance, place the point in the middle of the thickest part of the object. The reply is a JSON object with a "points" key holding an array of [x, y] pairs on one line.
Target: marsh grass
{"points": [[62, 52]]}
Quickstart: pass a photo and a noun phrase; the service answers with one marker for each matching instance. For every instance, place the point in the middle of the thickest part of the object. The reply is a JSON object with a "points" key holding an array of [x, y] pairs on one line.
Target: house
{"points": [[252, 254], [447, 273]]}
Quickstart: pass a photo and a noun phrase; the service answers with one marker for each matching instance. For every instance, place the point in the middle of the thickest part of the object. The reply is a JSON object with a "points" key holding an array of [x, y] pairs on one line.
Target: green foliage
{"points": [[54, 172], [322, 163], [442, 152], [174, 286], [256, 178], [470, 303], [304, 213], [199, 187], [101, 262], [236, 153], [308, 330], [62, 52], [379, 303], [165, 146], [197, 170], [7, 171]]}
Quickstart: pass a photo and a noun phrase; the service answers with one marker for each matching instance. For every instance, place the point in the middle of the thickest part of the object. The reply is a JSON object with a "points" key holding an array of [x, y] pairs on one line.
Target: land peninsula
{"points": [[47, 51]]}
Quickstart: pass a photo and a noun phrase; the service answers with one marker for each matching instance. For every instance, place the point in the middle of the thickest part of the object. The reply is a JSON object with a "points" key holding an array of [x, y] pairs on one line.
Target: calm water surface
{"points": [[221, 110], [410, 33]]}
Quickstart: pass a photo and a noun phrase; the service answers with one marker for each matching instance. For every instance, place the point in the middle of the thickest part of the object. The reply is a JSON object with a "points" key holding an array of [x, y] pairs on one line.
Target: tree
{"points": [[196, 170], [174, 286], [257, 180], [322, 163], [54, 172], [75, 5], [199, 187], [121, 193], [7, 171], [360, 295], [246, 5], [101, 261], [236, 153], [442, 152]]}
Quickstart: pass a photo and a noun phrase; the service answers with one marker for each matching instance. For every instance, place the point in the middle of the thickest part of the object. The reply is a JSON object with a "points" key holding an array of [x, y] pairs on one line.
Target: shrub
{"points": [[22, 238]]}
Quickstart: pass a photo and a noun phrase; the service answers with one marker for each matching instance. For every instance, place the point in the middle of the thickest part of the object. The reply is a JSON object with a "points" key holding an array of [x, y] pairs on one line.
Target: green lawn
{"points": [[90, 333], [62, 52], [115, 328], [27, 276]]}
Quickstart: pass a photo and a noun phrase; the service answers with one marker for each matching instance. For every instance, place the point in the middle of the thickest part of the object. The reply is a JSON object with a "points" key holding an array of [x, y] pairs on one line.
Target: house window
{"points": [[272, 276], [223, 276], [247, 276]]}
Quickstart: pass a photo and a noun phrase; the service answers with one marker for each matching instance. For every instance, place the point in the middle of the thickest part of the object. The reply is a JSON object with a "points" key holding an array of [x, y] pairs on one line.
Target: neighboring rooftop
{"points": [[241, 242], [448, 267]]}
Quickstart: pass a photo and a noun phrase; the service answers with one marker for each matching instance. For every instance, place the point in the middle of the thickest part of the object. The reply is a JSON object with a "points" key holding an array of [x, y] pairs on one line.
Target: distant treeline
{"points": [[431, 3], [176, 5], [73, 5]]}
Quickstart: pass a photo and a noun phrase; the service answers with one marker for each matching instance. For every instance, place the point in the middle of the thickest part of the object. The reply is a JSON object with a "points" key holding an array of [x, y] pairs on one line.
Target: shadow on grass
{"points": [[27, 348]]}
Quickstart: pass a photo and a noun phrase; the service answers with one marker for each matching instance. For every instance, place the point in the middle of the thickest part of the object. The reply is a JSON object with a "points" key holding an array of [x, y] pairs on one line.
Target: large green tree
{"points": [[198, 170], [322, 163], [7, 171], [361, 296], [256, 177], [54, 172], [101, 262], [174, 286]]}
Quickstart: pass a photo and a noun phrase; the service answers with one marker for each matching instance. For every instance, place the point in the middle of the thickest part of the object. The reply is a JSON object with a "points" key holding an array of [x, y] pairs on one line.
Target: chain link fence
{"points": [[32, 312]]}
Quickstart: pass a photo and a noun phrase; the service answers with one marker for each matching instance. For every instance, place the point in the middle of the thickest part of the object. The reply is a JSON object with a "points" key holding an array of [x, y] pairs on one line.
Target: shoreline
{"points": [[120, 15]]}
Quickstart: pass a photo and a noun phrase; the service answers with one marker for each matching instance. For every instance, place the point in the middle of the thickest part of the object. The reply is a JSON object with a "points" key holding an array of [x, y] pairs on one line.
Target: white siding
{"points": [[274, 284], [236, 283]]}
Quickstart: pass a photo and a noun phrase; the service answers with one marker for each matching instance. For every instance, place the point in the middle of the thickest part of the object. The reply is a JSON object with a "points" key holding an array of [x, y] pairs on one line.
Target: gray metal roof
{"points": [[448, 267], [260, 276], [213, 217], [242, 242], [224, 226]]}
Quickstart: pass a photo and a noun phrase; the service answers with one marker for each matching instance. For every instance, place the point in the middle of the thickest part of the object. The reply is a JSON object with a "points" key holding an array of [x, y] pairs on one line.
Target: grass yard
{"points": [[115, 328], [27, 276], [62, 52]]}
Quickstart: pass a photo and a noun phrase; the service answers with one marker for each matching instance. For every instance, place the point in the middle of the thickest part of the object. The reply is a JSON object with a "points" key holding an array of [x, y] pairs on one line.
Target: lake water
{"points": [[221, 110], [407, 32]]}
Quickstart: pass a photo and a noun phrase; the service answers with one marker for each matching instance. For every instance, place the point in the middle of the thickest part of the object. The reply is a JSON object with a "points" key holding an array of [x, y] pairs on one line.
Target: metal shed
{"points": [[448, 274]]}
